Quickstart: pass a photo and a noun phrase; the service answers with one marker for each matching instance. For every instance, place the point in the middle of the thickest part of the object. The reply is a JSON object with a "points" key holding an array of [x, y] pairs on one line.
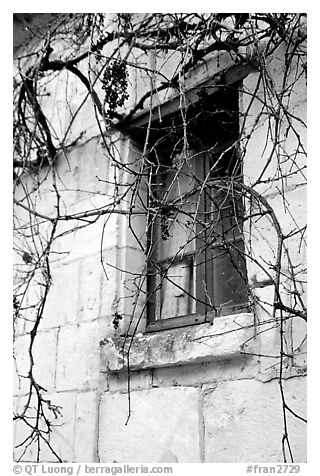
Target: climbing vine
{"points": [[105, 54]]}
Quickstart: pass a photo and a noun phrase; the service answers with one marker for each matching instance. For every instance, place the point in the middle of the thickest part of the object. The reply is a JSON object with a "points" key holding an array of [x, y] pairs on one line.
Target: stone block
{"points": [[61, 305], [67, 177], [45, 198], [267, 341], [259, 149], [19, 326], [21, 364], [162, 420], [97, 285], [63, 432], [292, 214], [110, 283], [244, 422], [70, 104], [26, 447], [86, 427], [45, 353], [299, 342], [15, 409], [88, 238], [139, 380], [264, 299], [133, 290], [78, 356], [263, 238], [32, 301], [94, 165], [295, 166], [257, 155], [64, 241]]}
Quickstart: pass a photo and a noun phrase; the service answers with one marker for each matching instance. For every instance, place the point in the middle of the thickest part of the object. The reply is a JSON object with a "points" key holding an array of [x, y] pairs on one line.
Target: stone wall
{"points": [[217, 401]]}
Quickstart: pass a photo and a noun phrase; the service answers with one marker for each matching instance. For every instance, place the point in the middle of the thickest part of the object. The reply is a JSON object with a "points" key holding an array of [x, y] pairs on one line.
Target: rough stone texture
{"points": [[162, 420], [223, 339], [243, 421]]}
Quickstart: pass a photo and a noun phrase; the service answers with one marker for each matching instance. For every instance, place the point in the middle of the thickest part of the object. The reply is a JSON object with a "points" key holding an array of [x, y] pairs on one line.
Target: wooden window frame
{"points": [[204, 273]]}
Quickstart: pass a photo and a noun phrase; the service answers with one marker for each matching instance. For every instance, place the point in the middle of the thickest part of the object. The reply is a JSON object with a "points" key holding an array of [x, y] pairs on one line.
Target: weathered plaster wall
{"points": [[223, 408]]}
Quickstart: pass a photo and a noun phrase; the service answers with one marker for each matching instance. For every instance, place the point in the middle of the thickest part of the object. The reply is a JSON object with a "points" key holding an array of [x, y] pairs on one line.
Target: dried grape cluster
{"points": [[166, 215], [114, 84]]}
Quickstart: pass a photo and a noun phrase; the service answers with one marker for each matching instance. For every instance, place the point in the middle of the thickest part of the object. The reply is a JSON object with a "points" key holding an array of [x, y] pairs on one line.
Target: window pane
{"points": [[177, 289], [229, 272], [177, 227], [226, 207]]}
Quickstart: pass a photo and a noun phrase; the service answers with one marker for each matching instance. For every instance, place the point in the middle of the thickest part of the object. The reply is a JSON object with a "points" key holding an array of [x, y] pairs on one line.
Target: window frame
{"points": [[140, 126], [204, 273]]}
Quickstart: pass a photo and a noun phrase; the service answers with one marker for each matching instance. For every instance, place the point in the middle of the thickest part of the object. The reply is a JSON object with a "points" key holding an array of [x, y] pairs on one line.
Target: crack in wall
{"points": [[202, 427]]}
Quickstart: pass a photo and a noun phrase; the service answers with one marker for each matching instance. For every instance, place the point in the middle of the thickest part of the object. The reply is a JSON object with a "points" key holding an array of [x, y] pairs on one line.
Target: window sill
{"points": [[224, 338]]}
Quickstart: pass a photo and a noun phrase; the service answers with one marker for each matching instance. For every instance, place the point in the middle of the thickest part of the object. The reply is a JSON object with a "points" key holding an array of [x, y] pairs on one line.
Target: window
{"points": [[196, 252]]}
